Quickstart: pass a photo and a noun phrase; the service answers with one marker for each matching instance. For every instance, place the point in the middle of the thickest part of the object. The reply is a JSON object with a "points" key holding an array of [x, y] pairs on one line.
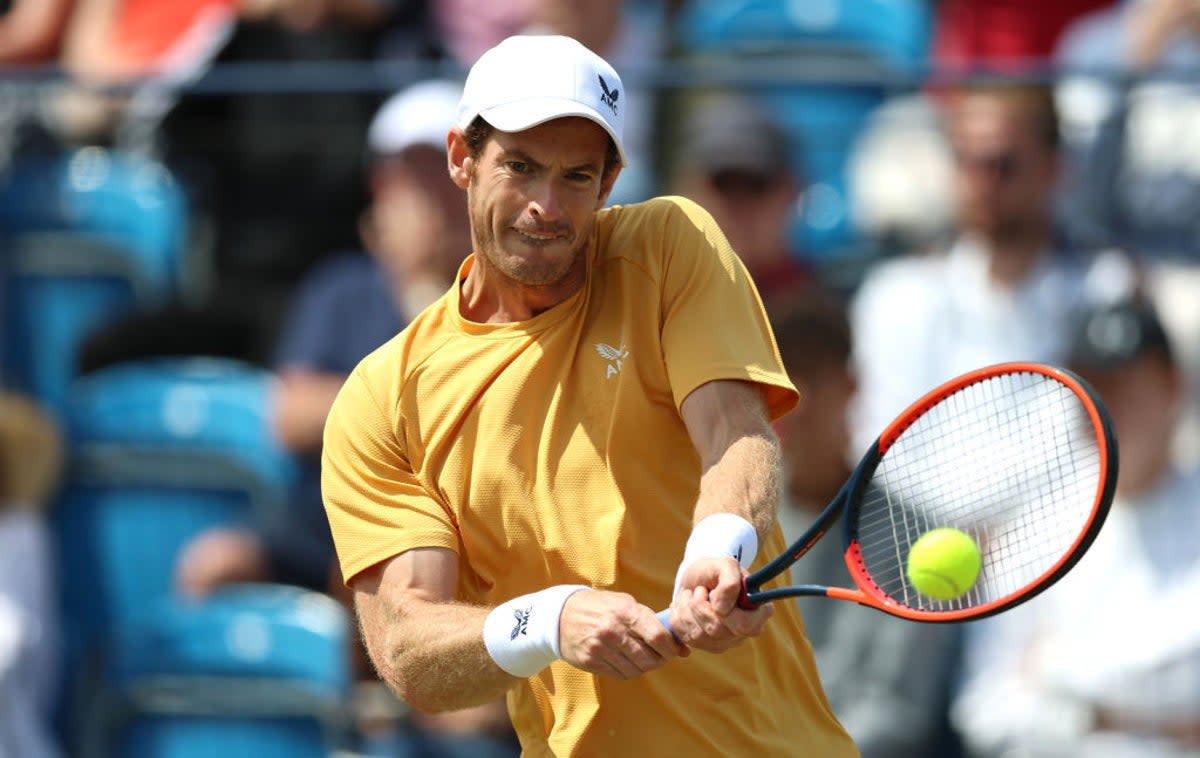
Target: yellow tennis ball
{"points": [[944, 563]]}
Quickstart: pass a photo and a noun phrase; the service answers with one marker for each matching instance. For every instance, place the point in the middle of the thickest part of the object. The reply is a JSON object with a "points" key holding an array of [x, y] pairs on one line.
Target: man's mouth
{"points": [[539, 237]]}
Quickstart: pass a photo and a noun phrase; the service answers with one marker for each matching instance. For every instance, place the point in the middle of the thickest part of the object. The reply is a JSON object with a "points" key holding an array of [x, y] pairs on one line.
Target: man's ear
{"points": [[458, 158]]}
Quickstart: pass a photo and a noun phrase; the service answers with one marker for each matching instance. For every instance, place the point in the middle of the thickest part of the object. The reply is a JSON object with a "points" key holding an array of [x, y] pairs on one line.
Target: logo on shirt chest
{"points": [[615, 357]]}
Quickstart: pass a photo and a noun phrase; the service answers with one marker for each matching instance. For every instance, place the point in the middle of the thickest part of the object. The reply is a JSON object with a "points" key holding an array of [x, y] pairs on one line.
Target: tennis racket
{"points": [[1020, 456]]}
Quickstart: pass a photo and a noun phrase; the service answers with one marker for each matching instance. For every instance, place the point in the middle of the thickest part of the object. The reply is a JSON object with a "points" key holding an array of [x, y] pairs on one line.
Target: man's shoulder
{"points": [[664, 208], [396, 358], [645, 232]]}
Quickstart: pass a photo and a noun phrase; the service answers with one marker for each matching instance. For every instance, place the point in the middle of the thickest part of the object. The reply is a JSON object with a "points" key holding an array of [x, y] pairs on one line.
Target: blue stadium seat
{"points": [[161, 449], [825, 122], [84, 236], [254, 670], [894, 31]]}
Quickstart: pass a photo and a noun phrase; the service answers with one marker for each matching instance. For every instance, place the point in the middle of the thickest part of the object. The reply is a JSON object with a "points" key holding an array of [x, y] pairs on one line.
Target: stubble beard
{"points": [[535, 272]]}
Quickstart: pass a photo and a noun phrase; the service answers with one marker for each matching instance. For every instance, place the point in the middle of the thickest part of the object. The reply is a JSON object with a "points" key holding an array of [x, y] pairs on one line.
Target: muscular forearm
{"points": [[739, 452], [745, 481], [432, 653]]}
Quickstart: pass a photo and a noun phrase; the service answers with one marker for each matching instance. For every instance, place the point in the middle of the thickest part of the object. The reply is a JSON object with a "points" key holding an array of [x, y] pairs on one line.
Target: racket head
{"points": [[1020, 456]]}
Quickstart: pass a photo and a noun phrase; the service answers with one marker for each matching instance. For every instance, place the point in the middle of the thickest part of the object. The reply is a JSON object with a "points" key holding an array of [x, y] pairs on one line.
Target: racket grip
{"points": [[744, 602], [664, 616]]}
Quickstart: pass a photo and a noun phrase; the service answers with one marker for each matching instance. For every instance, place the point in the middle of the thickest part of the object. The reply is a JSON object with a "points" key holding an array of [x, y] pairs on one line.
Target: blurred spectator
{"points": [[630, 35], [307, 15], [902, 173], [1130, 83], [466, 28], [736, 162], [276, 171], [1130, 87], [1107, 662], [127, 59], [888, 680], [1004, 290], [1002, 34], [416, 233], [30, 467], [31, 31]]}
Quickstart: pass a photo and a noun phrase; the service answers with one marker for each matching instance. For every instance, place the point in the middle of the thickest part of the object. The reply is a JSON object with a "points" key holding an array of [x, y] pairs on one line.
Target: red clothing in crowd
{"points": [[1003, 33]]}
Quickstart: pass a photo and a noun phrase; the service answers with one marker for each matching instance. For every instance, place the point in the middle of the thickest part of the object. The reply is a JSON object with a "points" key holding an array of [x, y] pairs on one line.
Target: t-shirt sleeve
{"points": [[377, 506], [714, 323]]}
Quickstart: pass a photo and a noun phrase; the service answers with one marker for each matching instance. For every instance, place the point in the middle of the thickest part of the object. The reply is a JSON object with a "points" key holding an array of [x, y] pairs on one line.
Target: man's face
{"points": [[753, 210], [417, 224], [1005, 171], [532, 197]]}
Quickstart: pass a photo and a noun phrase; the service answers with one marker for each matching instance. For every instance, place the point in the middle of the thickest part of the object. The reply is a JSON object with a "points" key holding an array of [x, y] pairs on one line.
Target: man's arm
{"points": [[739, 452], [431, 649], [427, 648], [741, 475]]}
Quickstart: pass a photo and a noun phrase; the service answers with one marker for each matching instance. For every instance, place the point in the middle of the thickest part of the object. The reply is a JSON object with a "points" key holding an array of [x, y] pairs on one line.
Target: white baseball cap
{"points": [[421, 114], [528, 80]]}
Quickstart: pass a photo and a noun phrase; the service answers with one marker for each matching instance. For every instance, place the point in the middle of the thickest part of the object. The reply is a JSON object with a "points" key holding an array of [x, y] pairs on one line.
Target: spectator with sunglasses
{"points": [[739, 164], [1002, 290]]}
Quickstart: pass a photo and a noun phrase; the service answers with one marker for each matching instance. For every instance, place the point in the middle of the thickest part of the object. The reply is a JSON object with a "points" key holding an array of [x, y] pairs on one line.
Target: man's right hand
{"points": [[611, 634], [705, 613]]}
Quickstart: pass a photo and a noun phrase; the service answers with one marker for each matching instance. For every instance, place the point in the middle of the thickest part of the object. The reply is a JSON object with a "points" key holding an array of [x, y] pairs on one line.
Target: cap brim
{"points": [[526, 114]]}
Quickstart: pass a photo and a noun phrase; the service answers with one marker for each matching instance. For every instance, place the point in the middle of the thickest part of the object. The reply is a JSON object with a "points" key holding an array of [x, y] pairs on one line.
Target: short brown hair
{"points": [[1035, 101], [478, 131]]}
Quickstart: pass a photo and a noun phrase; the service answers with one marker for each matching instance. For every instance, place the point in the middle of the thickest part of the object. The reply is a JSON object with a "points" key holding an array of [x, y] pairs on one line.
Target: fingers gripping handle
{"points": [[744, 602], [665, 617]]}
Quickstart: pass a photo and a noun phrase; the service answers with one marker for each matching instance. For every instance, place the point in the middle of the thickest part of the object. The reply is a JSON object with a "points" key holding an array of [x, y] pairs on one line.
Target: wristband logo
{"points": [[522, 625]]}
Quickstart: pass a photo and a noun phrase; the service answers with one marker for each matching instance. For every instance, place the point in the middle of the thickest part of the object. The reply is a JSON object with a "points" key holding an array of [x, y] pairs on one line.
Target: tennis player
{"points": [[574, 436]]}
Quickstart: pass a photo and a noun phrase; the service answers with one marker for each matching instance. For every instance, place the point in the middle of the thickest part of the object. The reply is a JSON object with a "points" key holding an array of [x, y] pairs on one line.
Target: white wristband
{"points": [[718, 536], [521, 635]]}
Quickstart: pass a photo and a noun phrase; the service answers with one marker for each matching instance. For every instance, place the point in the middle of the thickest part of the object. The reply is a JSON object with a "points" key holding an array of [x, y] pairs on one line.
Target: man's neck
{"points": [[489, 297]]}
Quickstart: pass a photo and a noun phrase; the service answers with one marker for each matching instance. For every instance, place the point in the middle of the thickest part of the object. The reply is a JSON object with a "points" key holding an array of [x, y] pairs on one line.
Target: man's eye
{"points": [[518, 167], [579, 176]]}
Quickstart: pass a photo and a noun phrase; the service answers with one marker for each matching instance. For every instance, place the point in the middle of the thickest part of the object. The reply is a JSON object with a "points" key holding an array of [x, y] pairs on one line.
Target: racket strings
{"points": [[1013, 461]]}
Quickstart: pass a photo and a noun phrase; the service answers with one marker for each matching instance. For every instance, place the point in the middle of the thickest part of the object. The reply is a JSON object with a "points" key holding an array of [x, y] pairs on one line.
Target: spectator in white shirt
{"points": [[1106, 664], [1003, 290]]}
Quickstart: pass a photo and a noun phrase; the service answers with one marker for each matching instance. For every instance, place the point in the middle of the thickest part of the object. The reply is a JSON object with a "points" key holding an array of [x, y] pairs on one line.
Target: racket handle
{"points": [[665, 617], [744, 602]]}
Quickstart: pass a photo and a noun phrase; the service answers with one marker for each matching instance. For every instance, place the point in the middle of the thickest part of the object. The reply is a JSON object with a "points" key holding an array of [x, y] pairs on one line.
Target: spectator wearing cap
{"points": [[1107, 663], [415, 232], [739, 164], [888, 683]]}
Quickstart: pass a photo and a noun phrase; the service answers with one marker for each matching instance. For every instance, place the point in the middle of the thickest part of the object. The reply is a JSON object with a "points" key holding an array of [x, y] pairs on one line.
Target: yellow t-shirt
{"points": [[551, 451]]}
